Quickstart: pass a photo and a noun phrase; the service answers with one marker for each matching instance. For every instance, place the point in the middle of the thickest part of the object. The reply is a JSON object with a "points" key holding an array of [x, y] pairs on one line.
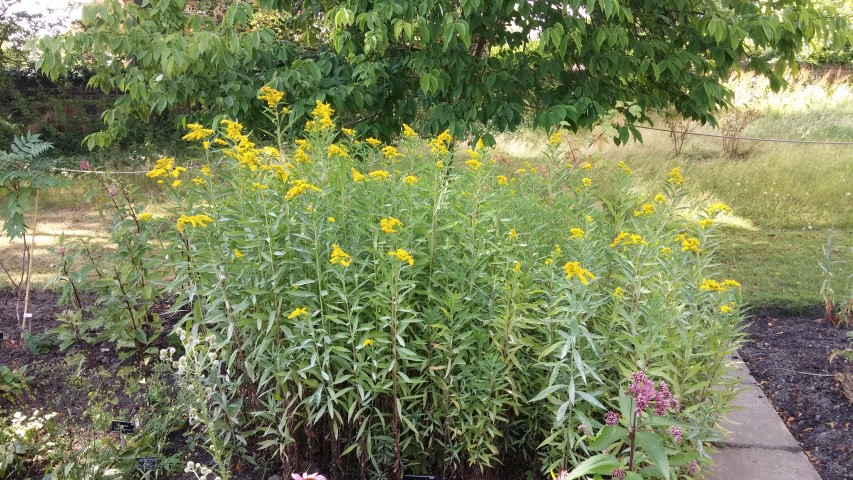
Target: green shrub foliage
{"points": [[354, 306]]}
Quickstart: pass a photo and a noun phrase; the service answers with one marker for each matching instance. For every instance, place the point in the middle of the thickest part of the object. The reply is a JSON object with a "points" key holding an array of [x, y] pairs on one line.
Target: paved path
{"points": [[759, 447]]}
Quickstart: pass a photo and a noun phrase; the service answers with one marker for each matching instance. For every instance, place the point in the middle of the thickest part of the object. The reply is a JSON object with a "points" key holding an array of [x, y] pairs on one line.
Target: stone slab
{"points": [[760, 464], [754, 422]]}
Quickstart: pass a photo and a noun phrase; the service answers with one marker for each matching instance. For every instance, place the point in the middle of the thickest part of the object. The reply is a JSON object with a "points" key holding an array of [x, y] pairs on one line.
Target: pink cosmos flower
{"points": [[308, 476]]}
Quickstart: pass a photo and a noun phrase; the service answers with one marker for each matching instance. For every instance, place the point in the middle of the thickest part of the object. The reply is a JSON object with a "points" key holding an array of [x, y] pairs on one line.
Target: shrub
{"points": [[371, 308]]}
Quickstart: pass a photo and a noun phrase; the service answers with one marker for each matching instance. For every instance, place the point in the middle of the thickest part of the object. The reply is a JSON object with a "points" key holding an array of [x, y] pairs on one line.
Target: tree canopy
{"points": [[466, 65]]}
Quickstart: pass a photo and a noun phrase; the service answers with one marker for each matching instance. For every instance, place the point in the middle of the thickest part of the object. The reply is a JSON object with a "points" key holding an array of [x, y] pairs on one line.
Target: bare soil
{"points": [[788, 356]]}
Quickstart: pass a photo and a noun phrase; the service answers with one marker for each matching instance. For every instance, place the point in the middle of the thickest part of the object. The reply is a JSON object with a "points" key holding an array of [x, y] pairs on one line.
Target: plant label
{"points": [[147, 464], [122, 427]]}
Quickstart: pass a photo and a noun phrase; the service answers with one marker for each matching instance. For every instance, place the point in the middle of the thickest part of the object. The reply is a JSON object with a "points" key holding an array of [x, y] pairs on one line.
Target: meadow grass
{"points": [[785, 197]]}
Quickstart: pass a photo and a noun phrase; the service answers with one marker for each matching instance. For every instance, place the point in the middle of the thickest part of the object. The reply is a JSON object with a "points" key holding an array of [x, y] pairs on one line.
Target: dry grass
{"points": [[74, 224]]}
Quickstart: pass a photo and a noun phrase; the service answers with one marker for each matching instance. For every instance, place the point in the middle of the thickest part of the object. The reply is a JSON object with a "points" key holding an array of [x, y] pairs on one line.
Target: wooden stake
{"points": [[27, 313]]}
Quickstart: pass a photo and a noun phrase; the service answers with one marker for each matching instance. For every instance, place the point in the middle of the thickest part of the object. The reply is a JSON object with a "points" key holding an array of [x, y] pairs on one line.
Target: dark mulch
{"points": [[788, 356]]}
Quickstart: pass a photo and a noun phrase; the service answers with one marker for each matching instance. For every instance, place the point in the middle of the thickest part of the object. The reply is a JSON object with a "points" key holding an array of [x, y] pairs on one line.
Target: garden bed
{"points": [[788, 356]]}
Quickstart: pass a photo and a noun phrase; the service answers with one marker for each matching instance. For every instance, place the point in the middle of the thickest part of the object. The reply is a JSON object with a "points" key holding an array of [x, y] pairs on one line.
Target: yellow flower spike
{"points": [[502, 180], [161, 168], [586, 182], [577, 233], [586, 166], [197, 132], [367, 342], [410, 180], [322, 117], [259, 186], [238, 254], [646, 210], [474, 164], [574, 269], [690, 244], [513, 233], [619, 293], [556, 138], [339, 257], [331, 220], [390, 225], [718, 208], [300, 187], [379, 174], [549, 261], [589, 219], [729, 283], [205, 145], [517, 266], [480, 145], [675, 177], [198, 221], [706, 223], [271, 96], [337, 150], [441, 142], [475, 155], [297, 312], [624, 167], [660, 198], [220, 141], [439, 165], [625, 239], [357, 176], [177, 183], [373, 142], [408, 132], [177, 172], [348, 132], [709, 285], [391, 153], [666, 251], [403, 256], [233, 130], [145, 217], [725, 308], [198, 181]]}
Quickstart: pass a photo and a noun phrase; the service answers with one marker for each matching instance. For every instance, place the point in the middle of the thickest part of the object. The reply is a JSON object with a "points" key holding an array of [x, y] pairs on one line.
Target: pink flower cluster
{"points": [[644, 393]]}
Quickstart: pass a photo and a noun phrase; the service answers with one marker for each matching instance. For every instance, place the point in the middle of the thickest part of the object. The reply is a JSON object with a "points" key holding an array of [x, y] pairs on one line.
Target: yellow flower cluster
{"points": [[516, 266], [339, 257], [338, 150], [718, 208], [302, 147], [357, 176], [238, 254], [586, 182], [408, 132], [577, 233], [391, 153], [646, 210], [709, 285], [379, 174], [271, 96], [619, 293], [197, 132], [348, 132], [367, 342], [625, 239], [706, 223], [299, 187], [660, 198], [321, 118], [624, 167], [390, 225], [199, 221], [586, 166], [410, 180], [675, 177], [688, 244], [726, 308], [403, 256], [441, 143], [373, 142], [145, 217], [513, 233], [162, 168], [502, 180], [555, 139], [474, 164], [574, 269], [297, 312]]}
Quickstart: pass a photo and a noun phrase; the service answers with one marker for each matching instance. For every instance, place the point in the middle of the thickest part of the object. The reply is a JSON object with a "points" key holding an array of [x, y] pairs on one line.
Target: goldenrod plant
{"points": [[350, 305]]}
